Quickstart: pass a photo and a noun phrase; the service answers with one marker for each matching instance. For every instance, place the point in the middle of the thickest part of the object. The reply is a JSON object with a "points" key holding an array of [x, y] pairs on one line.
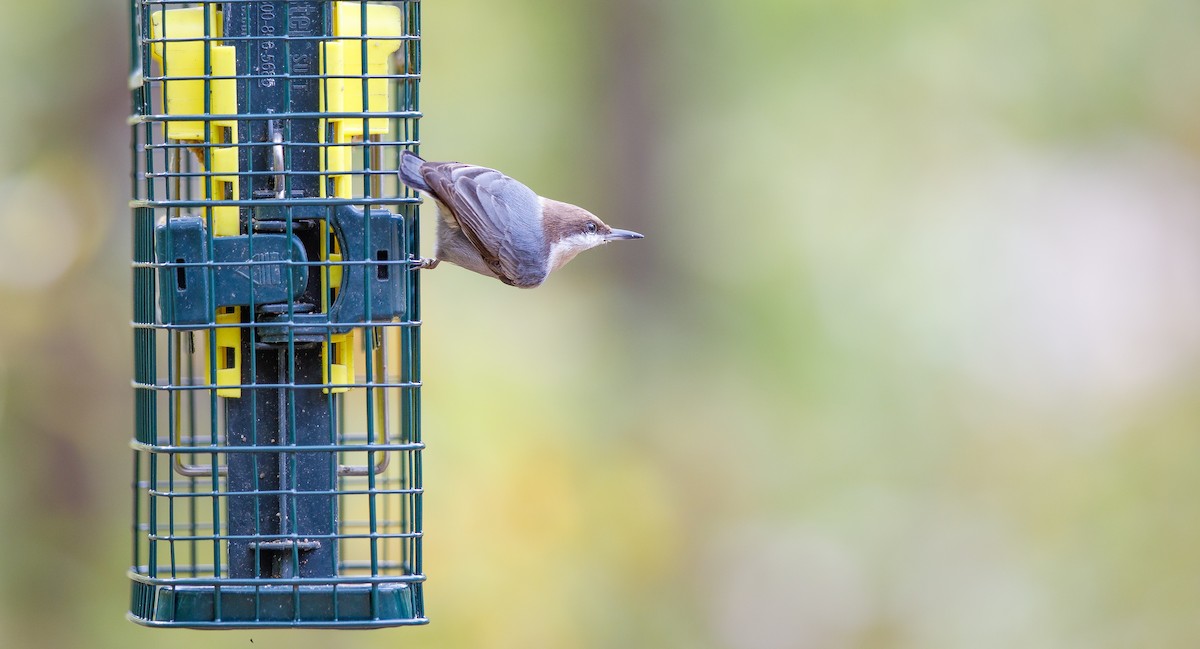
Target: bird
{"points": [[494, 225]]}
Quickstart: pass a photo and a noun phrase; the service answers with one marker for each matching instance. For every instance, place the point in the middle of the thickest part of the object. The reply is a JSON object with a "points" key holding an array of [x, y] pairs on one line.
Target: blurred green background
{"points": [[908, 358]]}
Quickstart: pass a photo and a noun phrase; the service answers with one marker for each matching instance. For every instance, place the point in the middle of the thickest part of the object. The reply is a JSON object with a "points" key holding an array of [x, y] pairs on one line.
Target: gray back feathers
{"points": [[499, 216]]}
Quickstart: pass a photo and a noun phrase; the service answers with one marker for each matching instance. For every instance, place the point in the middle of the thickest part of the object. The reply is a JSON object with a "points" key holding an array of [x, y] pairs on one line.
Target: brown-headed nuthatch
{"points": [[495, 226]]}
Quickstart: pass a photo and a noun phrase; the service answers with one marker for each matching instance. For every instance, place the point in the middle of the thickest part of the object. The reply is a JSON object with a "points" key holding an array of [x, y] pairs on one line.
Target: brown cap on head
{"points": [[570, 230], [561, 220]]}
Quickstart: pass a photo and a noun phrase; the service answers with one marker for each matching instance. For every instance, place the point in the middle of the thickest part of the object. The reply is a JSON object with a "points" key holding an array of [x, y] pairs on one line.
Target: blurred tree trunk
{"points": [[634, 102]]}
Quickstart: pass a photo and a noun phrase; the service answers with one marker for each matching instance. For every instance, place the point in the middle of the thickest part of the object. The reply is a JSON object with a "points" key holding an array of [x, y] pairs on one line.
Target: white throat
{"points": [[565, 250]]}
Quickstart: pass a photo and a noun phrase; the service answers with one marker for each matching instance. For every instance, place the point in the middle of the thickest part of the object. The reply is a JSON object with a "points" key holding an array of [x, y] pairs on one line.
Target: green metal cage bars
{"points": [[277, 445]]}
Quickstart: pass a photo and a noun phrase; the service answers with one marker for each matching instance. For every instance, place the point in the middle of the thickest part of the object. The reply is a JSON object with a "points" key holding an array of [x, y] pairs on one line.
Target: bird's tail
{"points": [[410, 171]]}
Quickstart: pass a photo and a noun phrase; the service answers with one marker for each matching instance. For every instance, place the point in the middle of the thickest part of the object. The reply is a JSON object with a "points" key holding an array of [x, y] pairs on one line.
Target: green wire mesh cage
{"points": [[277, 447]]}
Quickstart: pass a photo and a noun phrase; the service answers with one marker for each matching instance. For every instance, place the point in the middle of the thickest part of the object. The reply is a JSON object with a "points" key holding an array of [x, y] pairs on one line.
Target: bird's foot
{"points": [[428, 263]]}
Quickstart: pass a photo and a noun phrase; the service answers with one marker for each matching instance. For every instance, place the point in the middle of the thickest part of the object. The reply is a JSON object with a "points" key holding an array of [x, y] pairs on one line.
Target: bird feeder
{"points": [[277, 445]]}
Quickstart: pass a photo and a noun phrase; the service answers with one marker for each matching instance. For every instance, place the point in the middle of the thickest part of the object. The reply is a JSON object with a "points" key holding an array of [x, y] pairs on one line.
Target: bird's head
{"points": [[570, 230]]}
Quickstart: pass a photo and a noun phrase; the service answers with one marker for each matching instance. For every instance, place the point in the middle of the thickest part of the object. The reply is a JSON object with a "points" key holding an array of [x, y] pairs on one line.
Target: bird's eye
{"points": [[591, 226]]}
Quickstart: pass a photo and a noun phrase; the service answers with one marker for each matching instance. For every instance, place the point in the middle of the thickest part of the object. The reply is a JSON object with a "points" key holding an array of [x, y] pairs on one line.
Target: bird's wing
{"points": [[497, 214]]}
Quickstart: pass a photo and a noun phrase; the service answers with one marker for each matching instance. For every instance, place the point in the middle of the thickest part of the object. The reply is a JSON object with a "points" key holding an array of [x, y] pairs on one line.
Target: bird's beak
{"points": [[616, 235]]}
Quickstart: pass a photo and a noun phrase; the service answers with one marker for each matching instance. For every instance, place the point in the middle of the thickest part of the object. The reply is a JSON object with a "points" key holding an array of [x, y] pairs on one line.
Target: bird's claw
{"points": [[427, 263]]}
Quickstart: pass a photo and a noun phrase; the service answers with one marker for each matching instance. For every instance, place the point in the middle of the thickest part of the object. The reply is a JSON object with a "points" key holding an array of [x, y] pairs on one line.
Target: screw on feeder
{"points": [[277, 158]]}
